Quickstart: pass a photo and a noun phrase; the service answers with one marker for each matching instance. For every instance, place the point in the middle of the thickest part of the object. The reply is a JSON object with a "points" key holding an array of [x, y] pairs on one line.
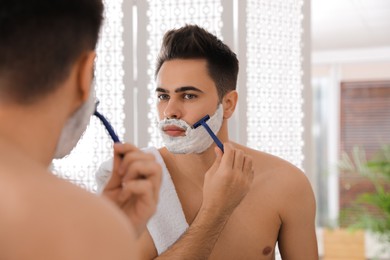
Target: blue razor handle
{"points": [[108, 126], [202, 122]]}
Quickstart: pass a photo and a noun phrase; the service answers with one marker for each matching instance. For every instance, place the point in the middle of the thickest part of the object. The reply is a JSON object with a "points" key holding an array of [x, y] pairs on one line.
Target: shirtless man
{"points": [[46, 67], [229, 215]]}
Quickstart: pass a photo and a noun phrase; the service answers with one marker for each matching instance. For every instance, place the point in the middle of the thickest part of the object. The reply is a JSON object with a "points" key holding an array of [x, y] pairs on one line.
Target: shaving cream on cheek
{"points": [[195, 140], [75, 127]]}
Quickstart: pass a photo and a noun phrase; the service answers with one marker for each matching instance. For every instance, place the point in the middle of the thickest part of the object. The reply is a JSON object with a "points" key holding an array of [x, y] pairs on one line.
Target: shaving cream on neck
{"points": [[195, 140]]}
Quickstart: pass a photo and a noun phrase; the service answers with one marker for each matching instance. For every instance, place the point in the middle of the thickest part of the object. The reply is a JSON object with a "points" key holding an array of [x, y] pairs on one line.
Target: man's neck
{"points": [[30, 129], [188, 167], [201, 161]]}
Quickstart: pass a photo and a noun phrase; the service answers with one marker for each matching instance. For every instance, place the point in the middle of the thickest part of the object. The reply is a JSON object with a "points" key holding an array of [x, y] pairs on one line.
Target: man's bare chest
{"points": [[250, 233]]}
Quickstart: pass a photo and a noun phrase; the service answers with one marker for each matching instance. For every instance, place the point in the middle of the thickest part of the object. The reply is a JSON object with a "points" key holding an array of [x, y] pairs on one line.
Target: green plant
{"points": [[377, 170]]}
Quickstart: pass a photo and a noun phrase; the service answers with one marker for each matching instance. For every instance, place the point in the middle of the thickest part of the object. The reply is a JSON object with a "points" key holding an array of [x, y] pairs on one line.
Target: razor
{"points": [[107, 125], [202, 122]]}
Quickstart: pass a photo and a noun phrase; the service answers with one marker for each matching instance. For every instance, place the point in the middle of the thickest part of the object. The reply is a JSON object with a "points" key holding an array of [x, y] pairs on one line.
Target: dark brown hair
{"points": [[194, 42], [39, 41]]}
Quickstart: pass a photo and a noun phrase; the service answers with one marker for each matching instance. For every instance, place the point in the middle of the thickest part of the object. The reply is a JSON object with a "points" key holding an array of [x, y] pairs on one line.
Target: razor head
{"points": [[202, 120], [96, 104]]}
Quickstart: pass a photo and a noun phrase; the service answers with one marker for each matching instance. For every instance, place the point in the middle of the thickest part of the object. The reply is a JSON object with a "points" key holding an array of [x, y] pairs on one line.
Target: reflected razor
{"points": [[107, 125]]}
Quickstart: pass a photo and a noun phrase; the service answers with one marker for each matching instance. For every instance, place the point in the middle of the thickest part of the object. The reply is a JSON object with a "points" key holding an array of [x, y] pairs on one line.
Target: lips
{"points": [[174, 131]]}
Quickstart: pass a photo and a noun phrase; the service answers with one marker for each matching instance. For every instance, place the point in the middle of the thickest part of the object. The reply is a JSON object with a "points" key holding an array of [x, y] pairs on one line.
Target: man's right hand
{"points": [[227, 181], [134, 184]]}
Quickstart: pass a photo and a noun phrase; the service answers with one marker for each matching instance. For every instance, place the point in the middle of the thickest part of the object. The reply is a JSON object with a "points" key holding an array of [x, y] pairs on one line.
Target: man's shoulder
{"points": [[60, 214], [266, 162], [280, 182], [40, 194], [278, 173]]}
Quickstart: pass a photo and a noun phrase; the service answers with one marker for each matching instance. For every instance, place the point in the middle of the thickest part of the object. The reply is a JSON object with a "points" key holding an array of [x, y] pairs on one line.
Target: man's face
{"points": [[185, 91]]}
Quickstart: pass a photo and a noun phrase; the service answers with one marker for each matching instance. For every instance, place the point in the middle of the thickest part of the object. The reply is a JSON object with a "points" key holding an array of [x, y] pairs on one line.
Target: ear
{"points": [[85, 74], [229, 103]]}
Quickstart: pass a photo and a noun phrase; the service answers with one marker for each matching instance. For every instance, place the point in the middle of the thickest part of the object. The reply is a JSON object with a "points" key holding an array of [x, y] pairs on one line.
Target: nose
{"points": [[172, 110]]}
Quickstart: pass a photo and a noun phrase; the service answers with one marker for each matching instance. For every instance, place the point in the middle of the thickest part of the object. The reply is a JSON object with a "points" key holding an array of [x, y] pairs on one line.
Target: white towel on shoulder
{"points": [[168, 223]]}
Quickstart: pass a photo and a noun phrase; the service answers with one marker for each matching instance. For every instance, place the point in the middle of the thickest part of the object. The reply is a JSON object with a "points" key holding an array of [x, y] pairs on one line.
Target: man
{"points": [[226, 214], [46, 67]]}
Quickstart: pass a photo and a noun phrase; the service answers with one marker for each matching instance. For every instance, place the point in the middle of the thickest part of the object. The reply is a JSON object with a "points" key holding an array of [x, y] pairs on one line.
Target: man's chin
{"points": [[179, 150]]}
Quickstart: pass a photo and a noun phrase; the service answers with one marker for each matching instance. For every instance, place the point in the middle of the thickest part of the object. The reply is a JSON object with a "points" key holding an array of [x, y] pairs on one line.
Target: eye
{"points": [[163, 97], [189, 96]]}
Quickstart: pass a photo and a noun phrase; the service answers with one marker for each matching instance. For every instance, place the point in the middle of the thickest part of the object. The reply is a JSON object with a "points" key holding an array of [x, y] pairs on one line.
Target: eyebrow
{"points": [[181, 89]]}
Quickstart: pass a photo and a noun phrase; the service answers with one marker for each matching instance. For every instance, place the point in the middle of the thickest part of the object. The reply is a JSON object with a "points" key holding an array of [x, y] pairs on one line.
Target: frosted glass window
{"points": [[274, 78]]}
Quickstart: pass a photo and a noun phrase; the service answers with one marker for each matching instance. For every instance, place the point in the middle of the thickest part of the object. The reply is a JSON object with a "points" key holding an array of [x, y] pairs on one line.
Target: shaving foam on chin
{"points": [[195, 140]]}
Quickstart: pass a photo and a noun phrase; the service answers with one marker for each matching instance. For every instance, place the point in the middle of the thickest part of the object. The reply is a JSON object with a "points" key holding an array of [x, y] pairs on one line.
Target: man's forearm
{"points": [[199, 239]]}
